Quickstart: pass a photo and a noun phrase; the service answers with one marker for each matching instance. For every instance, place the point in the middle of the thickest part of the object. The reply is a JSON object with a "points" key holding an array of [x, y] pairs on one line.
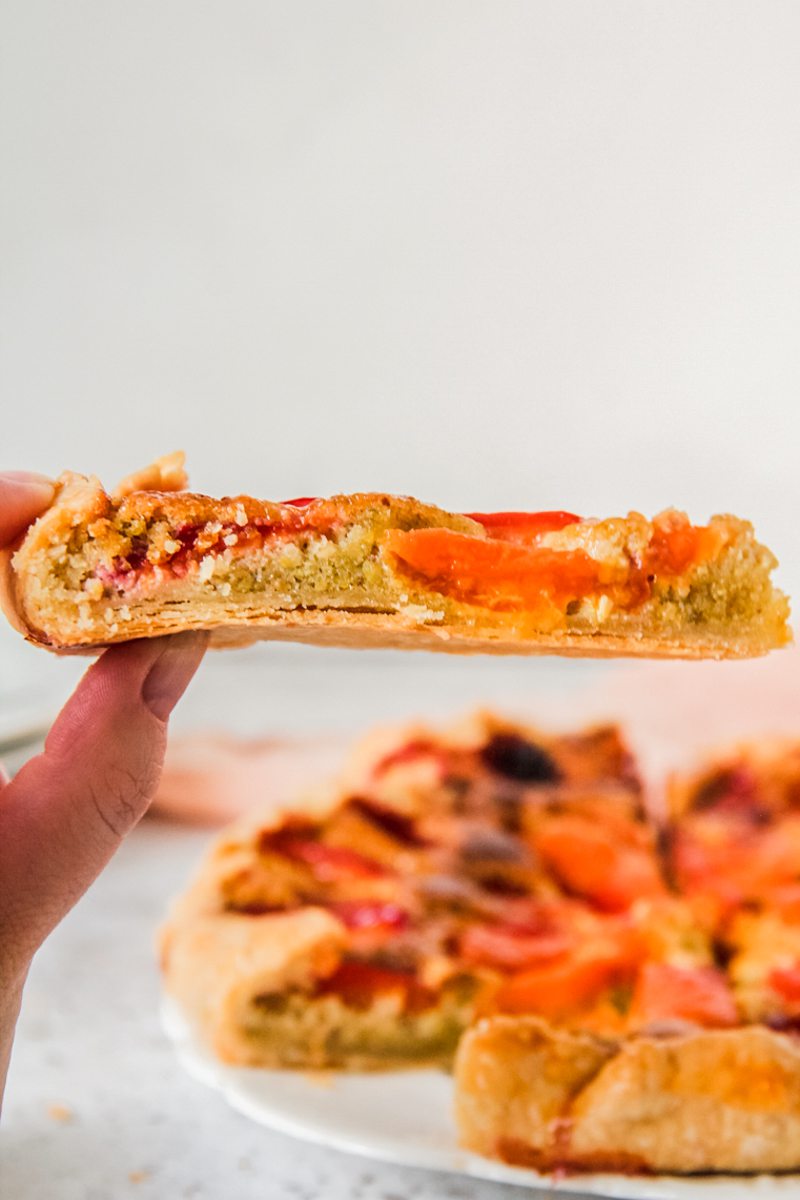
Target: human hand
{"points": [[68, 809]]}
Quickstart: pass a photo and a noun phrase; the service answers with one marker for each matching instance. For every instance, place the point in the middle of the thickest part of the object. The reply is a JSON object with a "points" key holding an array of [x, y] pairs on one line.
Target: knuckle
{"points": [[122, 795]]}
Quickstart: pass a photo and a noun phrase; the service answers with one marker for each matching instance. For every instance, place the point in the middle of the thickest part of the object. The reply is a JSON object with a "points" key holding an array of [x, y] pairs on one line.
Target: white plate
{"points": [[404, 1117]]}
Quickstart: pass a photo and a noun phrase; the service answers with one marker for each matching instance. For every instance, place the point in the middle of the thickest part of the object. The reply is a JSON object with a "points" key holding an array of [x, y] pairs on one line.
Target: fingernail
{"points": [[39, 486], [167, 679]]}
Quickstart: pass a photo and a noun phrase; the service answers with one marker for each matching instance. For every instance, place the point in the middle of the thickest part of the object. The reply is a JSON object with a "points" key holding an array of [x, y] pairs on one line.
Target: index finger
{"points": [[23, 496]]}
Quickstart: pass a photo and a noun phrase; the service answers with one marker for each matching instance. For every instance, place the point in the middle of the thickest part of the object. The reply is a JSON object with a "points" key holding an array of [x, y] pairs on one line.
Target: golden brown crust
{"points": [[9, 601], [714, 1100], [382, 631], [252, 984], [166, 474], [379, 631], [514, 1080], [252, 988], [215, 962], [216, 965], [83, 616], [77, 498]]}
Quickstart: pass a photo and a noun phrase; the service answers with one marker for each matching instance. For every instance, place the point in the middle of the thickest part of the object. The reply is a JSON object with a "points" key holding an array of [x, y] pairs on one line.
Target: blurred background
{"points": [[530, 255]]}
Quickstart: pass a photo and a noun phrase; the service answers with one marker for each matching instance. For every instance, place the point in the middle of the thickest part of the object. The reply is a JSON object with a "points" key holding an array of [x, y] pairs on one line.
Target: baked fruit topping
{"points": [[615, 993], [382, 570]]}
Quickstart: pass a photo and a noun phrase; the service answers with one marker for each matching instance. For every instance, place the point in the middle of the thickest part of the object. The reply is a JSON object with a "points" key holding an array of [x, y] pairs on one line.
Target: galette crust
{"points": [[708, 1100]]}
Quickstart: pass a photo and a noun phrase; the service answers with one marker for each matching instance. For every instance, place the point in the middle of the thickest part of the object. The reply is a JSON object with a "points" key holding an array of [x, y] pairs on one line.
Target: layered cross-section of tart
{"points": [[368, 929], [381, 570]]}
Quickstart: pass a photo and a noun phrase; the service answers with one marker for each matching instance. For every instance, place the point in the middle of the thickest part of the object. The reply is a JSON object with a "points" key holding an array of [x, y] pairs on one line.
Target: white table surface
{"points": [[89, 1044]]}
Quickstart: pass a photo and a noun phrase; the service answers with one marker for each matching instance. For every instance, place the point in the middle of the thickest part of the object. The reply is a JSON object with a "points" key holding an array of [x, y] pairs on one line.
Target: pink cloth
{"points": [[209, 779]]}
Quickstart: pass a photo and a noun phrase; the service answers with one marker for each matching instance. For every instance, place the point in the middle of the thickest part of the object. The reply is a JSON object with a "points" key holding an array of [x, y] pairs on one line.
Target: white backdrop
{"points": [[517, 254]]}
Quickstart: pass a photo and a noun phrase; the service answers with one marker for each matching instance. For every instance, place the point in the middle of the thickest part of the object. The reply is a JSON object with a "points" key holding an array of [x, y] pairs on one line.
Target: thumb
{"points": [[22, 497], [65, 813]]}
